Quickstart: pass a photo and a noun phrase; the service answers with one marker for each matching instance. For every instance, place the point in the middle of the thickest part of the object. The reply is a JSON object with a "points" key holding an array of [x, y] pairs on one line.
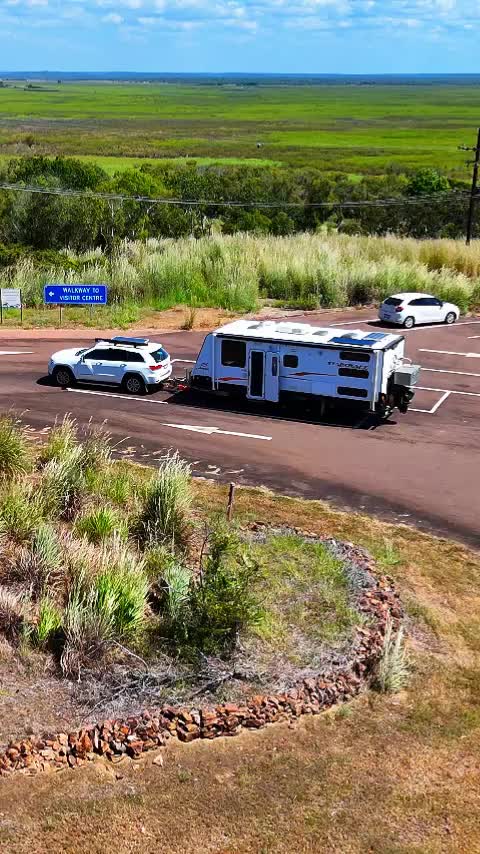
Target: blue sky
{"points": [[329, 36]]}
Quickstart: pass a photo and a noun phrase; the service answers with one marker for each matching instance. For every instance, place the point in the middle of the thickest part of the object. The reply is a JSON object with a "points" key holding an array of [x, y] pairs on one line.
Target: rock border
{"points": [[137, 734]]}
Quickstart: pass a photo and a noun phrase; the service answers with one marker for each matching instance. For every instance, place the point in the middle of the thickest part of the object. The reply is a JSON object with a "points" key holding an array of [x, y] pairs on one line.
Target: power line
{"points": [[354, 203]]}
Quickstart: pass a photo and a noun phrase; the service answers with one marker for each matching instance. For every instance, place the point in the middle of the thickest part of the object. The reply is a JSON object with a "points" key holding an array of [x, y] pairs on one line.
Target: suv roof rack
{"points": [[119, 339]]}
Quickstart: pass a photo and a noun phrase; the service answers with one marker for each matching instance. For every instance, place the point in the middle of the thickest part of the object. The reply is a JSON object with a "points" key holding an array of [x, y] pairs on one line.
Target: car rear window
{"points": [[159, 355], [393, 301]]}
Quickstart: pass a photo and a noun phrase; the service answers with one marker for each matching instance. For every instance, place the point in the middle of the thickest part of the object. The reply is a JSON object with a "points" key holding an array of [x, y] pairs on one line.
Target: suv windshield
{"points": [[393, 301], [159, 355]]}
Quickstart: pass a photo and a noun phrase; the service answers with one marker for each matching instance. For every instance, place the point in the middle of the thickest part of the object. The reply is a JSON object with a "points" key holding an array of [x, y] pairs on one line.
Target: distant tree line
{"points": [[45, 223]]}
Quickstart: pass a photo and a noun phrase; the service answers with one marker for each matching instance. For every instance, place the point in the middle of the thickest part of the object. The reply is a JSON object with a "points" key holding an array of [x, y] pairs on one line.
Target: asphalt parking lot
{"points": [[420, 468]]}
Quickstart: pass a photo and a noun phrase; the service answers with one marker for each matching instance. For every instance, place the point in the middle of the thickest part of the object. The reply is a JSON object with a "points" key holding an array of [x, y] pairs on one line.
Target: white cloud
{"points": [[112, 18]]}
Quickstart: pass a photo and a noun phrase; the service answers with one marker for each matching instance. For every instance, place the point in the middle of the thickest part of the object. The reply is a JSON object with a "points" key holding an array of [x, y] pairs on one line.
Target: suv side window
{"points": [[98, 354], [127, 356]]}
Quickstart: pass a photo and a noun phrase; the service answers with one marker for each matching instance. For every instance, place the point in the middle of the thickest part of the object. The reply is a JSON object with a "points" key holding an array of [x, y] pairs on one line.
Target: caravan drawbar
{"points": [[281, 362]]}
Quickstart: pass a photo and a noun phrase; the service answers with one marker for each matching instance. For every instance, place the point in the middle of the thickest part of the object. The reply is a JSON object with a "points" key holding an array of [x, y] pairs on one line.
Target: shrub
{"points": [[96, 442], [164, 516], [15, 453], [190, 318], [61, 442], [222, 600], [40, 562], [175, 588], [11, 614], [122, 591], [21, 512], [63, 484], [48, 624], [88, 631], [393, 668], [100, 524]]}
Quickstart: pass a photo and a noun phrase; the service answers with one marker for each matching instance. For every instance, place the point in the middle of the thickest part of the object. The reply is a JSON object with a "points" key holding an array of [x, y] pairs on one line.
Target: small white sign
{"points": [[11, 297]]}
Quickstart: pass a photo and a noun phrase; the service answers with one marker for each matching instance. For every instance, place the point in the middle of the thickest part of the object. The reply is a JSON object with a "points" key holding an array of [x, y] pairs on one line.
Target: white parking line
{"points": [[16, 352], [350, 322], [471, 337], [415, 328], [436, 406], [443, 371], [120, 396], [441, 326], [450, 353], [452, 391]]}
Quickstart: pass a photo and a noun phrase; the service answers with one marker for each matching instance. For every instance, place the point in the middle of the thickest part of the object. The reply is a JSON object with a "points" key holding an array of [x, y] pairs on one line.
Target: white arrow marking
{"points": [[210, 431], [451, 353], [15, 352]]}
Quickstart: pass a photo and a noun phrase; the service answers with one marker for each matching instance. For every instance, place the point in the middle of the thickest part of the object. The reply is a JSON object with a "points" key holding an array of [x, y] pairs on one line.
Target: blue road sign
{"points": [[75, 294]]}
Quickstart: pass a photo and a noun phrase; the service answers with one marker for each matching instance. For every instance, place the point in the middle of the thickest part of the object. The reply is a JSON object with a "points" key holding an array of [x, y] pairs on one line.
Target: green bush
{"points": [[12, 619], [99, 525], [164, 515], [221, 602], [39, 564], [96, 442], [61, 442], [48, 624], [122, 592], [21, 512], [15, 451], [175, 584], [63, 484], [88, 631]]}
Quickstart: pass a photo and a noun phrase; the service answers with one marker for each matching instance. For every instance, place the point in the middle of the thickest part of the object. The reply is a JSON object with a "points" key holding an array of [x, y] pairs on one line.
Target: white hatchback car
{"points": [[411, 309], [136, 364]]}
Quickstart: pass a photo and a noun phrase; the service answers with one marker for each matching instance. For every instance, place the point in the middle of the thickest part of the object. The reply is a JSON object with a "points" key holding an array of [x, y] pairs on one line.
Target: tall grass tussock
{"points": [[233, 272]]}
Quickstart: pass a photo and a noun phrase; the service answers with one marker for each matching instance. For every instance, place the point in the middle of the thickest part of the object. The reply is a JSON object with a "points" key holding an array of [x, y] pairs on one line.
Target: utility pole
{"points": [[474, 193]]}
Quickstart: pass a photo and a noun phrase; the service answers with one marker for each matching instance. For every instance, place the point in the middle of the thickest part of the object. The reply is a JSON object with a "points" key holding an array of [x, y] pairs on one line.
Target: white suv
{"points": [[410, 309], [136, 364]]}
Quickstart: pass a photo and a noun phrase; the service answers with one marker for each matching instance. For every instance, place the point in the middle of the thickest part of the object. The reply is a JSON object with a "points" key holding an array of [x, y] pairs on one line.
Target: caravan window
{"points": [[234, 353], [352, 356], [354, 372], [290, 361]]}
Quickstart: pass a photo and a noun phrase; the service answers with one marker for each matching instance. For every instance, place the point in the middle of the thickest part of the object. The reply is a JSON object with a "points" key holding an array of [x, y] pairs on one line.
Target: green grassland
{"points": [[349, 128]]}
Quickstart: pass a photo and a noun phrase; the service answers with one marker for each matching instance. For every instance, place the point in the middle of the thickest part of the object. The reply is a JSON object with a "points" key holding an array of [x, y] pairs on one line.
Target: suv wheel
{"points": [[450, 318], [134, 384], [409, 322], [63, 377]]}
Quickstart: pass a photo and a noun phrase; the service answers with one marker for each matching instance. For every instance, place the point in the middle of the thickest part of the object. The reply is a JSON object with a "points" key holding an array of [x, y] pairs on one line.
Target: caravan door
{"points": [[256, 374], [272, 377], [263, 374]]}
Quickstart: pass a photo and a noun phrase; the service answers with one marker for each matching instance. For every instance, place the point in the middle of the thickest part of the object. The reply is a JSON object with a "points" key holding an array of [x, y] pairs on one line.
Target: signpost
{"points": [[75, 295], [11, 298]]}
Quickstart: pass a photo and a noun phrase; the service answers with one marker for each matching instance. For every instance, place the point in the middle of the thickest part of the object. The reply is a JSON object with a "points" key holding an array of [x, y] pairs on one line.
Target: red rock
{"points": [[135, 748]]}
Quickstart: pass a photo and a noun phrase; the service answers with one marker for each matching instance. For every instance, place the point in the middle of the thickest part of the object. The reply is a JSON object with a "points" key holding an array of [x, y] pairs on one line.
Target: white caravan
{"points": [[281, 362]]}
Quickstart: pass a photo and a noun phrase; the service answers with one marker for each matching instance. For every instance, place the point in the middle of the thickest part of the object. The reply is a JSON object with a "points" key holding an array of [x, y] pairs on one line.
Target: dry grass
{"points": [[388, 774]]}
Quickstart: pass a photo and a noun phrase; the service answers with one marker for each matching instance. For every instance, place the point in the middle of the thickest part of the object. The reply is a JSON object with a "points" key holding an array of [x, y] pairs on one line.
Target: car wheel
{"points": [[63, 377], [409, 323], [134, 384], [450, 318]]}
